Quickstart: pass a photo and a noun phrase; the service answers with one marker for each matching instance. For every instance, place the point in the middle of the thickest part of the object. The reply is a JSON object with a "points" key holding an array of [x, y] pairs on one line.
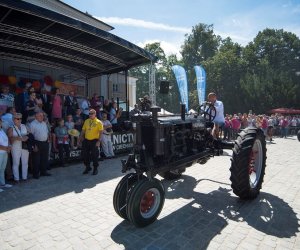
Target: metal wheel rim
{"points": [[150, 203], [255, 164]]}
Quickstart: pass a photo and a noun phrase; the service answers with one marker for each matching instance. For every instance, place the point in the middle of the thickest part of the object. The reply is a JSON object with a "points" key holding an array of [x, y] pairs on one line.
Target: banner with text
{"points": [[181, 79], [201, 83]]}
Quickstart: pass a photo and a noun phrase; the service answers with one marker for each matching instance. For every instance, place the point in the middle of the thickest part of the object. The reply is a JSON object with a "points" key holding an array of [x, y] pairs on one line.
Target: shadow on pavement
{"points": [[195, 224], [63, 180]]}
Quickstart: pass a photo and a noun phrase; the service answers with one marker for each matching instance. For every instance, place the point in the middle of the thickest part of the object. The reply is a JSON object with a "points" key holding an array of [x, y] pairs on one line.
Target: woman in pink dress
{"points": [[57, 105]]}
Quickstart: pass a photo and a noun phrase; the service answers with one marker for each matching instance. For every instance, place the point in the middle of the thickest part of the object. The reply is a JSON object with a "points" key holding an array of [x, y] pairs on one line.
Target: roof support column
{"points": [[126, 93]]}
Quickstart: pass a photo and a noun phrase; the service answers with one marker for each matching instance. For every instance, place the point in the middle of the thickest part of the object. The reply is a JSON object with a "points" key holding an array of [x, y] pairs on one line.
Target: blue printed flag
{"points": [[201, 83], [181, 79]]}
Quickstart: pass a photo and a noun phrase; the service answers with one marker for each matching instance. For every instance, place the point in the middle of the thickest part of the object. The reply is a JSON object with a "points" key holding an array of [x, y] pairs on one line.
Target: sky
{"points": [[167, 22]]}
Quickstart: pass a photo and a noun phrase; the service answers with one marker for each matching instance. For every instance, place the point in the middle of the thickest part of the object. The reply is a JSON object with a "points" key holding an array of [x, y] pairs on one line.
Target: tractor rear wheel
{"points": [[248, 163]]}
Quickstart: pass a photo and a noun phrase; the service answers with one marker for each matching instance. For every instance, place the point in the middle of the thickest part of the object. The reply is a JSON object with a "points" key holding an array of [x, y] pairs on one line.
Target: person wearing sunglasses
{"points": [[18, 136], [90, 137]]}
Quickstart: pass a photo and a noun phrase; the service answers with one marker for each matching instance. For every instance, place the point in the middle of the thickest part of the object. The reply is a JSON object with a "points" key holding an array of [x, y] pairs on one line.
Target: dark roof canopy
{"points": [[31, 34]]}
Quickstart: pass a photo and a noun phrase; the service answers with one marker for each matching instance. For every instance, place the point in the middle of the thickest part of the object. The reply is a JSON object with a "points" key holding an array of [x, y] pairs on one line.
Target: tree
{"points": [[271, 79], [198, 47], [224, 71]]}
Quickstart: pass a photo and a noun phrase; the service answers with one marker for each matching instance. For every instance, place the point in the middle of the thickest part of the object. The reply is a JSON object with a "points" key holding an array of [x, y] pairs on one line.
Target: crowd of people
{"points": [[34, 123], [272, 125]]}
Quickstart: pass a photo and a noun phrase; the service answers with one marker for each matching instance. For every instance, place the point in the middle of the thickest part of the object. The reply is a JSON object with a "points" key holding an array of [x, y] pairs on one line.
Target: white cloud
{"points": [[143, 24], [168, 47]]}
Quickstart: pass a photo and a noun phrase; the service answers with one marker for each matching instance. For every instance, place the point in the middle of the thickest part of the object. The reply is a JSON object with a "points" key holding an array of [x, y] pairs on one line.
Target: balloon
{"points": [[57, 84], [12, 80], [36, 85]]}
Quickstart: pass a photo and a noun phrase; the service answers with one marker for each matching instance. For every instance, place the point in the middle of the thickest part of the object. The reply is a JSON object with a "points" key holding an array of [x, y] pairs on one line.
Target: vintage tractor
{"points": [[167, 145]]}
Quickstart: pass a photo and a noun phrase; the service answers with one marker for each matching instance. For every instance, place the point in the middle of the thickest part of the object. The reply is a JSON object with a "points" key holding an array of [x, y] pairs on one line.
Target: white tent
{"points": [[164, 112], [191, 111]]}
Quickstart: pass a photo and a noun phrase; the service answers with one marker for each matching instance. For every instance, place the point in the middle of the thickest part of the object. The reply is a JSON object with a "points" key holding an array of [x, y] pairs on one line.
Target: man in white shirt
{"points": [[219, 120], [41, 134]]}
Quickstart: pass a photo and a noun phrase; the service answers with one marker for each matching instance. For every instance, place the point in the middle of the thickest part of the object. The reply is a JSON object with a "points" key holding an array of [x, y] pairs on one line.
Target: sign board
{"points": [[122, 143]]}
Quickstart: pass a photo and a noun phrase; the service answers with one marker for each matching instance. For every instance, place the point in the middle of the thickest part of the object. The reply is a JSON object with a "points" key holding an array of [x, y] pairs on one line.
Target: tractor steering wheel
{"points": [[208, 111]]}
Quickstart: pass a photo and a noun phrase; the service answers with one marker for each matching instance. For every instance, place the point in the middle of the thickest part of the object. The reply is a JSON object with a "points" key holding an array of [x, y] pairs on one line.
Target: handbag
{"points": [[24, 143]]}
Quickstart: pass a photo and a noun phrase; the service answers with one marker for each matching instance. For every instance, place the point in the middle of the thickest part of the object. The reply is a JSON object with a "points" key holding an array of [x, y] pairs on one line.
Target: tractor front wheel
{"points": [[145, 202]]}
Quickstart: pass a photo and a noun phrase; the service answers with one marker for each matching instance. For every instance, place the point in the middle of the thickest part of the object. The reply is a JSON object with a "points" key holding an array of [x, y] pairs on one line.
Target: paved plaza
{"points": [[73, 211]]}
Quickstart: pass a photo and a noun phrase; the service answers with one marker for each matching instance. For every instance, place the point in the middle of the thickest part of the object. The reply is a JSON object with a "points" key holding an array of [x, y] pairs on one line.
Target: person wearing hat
{"points": [[4, 150], [91, 138], [18, 136]]}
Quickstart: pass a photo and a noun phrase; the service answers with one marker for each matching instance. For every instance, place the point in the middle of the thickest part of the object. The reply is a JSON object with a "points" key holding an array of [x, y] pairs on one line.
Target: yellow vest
{"points": [[92, 129]]}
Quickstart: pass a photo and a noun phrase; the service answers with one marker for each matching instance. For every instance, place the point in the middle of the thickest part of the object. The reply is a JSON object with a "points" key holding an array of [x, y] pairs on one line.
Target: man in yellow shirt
{"points": [[90, 137]]}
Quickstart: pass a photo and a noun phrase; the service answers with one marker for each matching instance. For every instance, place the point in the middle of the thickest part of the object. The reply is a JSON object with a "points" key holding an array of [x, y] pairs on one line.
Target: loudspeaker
{"points": [[164, 87]]}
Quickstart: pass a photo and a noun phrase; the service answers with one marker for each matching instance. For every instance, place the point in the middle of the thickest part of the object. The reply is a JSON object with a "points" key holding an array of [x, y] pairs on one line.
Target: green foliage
{"points": [[263, 75]]}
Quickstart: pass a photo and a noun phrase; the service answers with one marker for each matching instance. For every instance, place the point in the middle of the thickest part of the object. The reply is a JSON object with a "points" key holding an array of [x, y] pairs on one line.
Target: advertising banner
{"points": [[201, 83], [181, 79]]}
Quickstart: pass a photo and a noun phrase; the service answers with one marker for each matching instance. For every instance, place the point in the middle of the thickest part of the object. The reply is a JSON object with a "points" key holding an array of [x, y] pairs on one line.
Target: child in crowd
{"points": [[70, 125], [62, 139]]}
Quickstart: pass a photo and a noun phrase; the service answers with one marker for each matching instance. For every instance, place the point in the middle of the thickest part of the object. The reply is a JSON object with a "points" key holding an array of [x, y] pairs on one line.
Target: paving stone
{"points": [[71, 211]]}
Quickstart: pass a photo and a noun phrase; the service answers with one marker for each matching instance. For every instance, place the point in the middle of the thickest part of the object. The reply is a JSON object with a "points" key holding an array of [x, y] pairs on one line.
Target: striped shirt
{"points": [[39, 130]]}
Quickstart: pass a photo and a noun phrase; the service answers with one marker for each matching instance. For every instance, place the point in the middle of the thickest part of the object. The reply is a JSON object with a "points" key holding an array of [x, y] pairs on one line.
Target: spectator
{"points": [[7, 118], [4, 150], [134, 111], [271, 123], [244, 121], [236, 125], [71, 103], [294, 126], [78, 120], [264, 124], [70, 125], [41, 133], [145, 104], [57, 105], [21, 102], [283, 124], [106, 142], [85, 107], [6, 99], [47, 102], [96, 104], [106, 108], [18, 137], [227, 128], [113, 116], [62, 138], [31, 107]]}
